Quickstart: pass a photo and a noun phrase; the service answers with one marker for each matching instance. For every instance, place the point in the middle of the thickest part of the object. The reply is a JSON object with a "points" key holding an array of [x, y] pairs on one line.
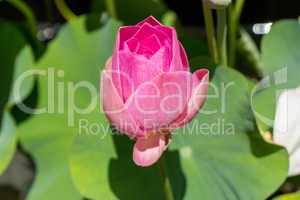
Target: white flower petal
{"points": [[287, 127]]}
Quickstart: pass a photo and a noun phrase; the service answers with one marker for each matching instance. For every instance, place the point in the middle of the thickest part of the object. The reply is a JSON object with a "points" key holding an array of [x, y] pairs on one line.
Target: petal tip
{"points": [[150, 20], [148, 151], [202, 73]]}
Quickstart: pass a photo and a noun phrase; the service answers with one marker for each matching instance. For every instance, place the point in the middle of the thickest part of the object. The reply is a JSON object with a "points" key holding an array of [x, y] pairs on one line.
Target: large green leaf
{"points": [[75, 57], [102, 168], [213, 165], [280, 66], [11, 41], [222, 154]]}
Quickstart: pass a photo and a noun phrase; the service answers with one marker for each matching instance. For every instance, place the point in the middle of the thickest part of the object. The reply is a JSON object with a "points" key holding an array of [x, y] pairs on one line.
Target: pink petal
{"points": [[168, 49], [135, 70], [184, 58], [124, 34], [162, 59], [155, 104], [133, 44], [150, 20], [148, 151], [114, 108], [152, 43], [147, 30], [176, 63], [200, 87], [167, 30]]}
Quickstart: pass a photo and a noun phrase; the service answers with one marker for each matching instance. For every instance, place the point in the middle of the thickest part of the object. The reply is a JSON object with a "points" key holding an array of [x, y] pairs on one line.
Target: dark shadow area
{"points": [[18, 177], [290, 185], [285, 188], [12, 41], [31, 102], [131, 182], [9, 193], [175, 173], [84, 198], [260, 147], [30, 167], [95, 21], [190, 13]]}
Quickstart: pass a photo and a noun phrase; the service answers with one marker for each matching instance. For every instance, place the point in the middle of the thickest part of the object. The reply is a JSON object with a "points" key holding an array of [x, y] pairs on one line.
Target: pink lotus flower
{"points": [[147, 88]]}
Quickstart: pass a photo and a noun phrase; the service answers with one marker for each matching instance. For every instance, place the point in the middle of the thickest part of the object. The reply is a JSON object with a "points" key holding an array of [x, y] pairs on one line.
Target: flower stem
{"points": [[166, 181], [64, 10], [111, 8], [28, 14], [234, 16], [210, 32], [222, 35]]}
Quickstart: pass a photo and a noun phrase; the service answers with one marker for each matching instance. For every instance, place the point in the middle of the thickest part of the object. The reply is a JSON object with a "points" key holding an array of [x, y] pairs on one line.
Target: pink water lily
{"points": [[147, 88]]}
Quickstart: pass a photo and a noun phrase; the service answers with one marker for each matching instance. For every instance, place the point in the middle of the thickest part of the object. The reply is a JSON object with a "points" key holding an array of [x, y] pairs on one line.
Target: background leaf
{"points": [[280, 67], [102, 168], [22, 83], [222, 154], [9, 50], [74, 56]]}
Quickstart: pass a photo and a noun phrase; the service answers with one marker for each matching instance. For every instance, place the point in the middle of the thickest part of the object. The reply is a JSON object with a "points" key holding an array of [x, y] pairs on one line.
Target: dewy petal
{"points": [[114, 108], [286, 130], [150, 20], [156, 103], [147, 151], [200, 87]]}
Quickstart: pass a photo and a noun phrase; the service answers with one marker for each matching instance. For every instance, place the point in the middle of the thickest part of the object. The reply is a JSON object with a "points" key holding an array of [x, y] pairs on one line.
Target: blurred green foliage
{"points": [[73, 165], [280, 68]]}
